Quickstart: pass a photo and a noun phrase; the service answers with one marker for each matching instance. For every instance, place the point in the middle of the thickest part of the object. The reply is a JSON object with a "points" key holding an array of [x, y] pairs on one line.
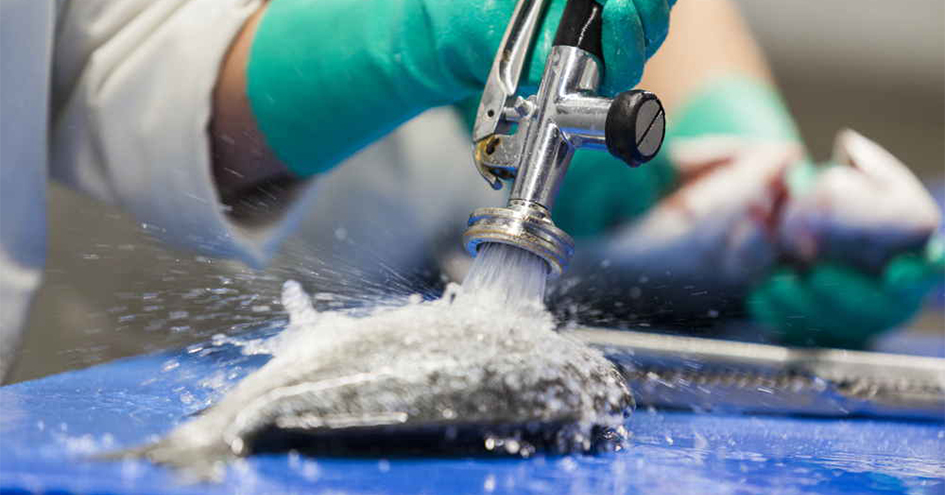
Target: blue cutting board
{"points": [[49, 428]]}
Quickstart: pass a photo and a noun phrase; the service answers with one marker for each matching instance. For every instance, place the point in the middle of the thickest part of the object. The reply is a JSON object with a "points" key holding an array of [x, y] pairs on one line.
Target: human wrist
{"points": [[737, 105], [241, 159]]}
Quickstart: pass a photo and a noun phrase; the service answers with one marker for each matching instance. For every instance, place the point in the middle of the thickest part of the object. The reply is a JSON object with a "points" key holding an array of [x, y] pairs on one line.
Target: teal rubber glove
{"points": [[836, 306], [600, 192], [327, 77]]}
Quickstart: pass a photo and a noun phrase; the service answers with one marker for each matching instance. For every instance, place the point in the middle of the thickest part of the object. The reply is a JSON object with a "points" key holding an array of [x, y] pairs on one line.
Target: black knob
{"points": [[635, 127]]}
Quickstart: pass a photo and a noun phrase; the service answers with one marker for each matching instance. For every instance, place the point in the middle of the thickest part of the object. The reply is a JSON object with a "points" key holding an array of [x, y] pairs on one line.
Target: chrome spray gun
{"points": [[565, 115]]}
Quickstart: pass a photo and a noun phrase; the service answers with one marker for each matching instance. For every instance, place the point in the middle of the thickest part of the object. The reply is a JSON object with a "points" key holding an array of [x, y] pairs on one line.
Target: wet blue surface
{"points": [[49, 428]]}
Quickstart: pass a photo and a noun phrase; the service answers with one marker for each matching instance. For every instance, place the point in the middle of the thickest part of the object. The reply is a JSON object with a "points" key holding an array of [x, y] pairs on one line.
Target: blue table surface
{"points": [[50, 427]]}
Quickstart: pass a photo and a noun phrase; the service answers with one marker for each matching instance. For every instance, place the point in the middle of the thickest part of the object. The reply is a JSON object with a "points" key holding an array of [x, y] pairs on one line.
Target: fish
{"points": [[743, 208], [739, 211], [718, 224], [453, 376], [864, 209]]}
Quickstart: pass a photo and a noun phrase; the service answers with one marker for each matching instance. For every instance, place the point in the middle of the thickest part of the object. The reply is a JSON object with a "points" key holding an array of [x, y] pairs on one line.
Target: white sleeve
{"points": [[25, 48], [132, 96]]}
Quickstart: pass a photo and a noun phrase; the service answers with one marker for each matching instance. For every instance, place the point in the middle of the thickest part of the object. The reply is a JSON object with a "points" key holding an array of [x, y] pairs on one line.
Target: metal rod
{"points": [[722, 375]]}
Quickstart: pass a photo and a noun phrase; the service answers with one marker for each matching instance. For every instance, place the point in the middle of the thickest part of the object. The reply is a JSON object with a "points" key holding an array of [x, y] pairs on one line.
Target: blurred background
{"points": [[112, 290]]}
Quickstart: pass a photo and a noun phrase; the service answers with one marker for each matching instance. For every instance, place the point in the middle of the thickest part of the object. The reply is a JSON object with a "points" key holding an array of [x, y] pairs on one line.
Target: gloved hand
{"points": [[835, 305], [811, 245], [327, 77], [858, 231]]}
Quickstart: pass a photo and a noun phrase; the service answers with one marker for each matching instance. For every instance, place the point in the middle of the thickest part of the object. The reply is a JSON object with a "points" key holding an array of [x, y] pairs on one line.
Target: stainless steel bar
{"points": [[711, 374]]}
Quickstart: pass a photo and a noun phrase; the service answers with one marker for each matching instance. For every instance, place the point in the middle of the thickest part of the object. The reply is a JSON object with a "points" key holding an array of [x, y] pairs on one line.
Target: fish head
{"points": [[863, 208]]}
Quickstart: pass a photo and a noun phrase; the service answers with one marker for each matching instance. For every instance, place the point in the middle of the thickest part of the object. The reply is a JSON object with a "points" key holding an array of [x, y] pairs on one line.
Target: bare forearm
{"points": [[707, 39], [241, 158]]}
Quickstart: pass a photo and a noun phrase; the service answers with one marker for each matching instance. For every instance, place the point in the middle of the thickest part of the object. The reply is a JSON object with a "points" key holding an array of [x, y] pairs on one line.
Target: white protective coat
{"points": [[113, 98]]}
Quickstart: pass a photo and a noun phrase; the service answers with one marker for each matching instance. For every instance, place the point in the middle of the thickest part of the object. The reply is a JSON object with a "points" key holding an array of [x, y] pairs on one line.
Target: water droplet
{"points": [[237, 446], [178, 315], [489, 484]]}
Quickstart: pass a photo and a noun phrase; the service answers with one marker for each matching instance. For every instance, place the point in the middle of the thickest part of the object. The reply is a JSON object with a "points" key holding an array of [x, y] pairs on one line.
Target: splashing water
{"points": [[508, 276], [481, 368], [455, 374]]}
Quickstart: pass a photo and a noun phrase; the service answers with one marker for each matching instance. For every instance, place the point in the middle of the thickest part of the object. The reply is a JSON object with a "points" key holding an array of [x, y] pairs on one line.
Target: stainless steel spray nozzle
{"points": [[533, 139], [524, 225]]}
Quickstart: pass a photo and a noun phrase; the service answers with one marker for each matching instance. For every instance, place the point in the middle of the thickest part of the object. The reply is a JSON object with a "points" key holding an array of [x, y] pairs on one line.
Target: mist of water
{"points": [[508, 276]]}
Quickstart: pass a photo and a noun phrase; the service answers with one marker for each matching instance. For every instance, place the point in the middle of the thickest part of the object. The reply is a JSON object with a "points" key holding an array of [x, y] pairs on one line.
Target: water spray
{"points": [[532, 140]]}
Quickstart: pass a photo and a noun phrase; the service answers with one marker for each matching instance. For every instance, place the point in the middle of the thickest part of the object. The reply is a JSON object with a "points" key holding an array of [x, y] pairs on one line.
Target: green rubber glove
{"points": [[600, 192], [327, 77], [837, 306]]}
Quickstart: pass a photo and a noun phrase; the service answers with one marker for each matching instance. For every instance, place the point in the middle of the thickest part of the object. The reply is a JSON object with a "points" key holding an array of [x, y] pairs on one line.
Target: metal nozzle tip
{"points": [[524, 225]]}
